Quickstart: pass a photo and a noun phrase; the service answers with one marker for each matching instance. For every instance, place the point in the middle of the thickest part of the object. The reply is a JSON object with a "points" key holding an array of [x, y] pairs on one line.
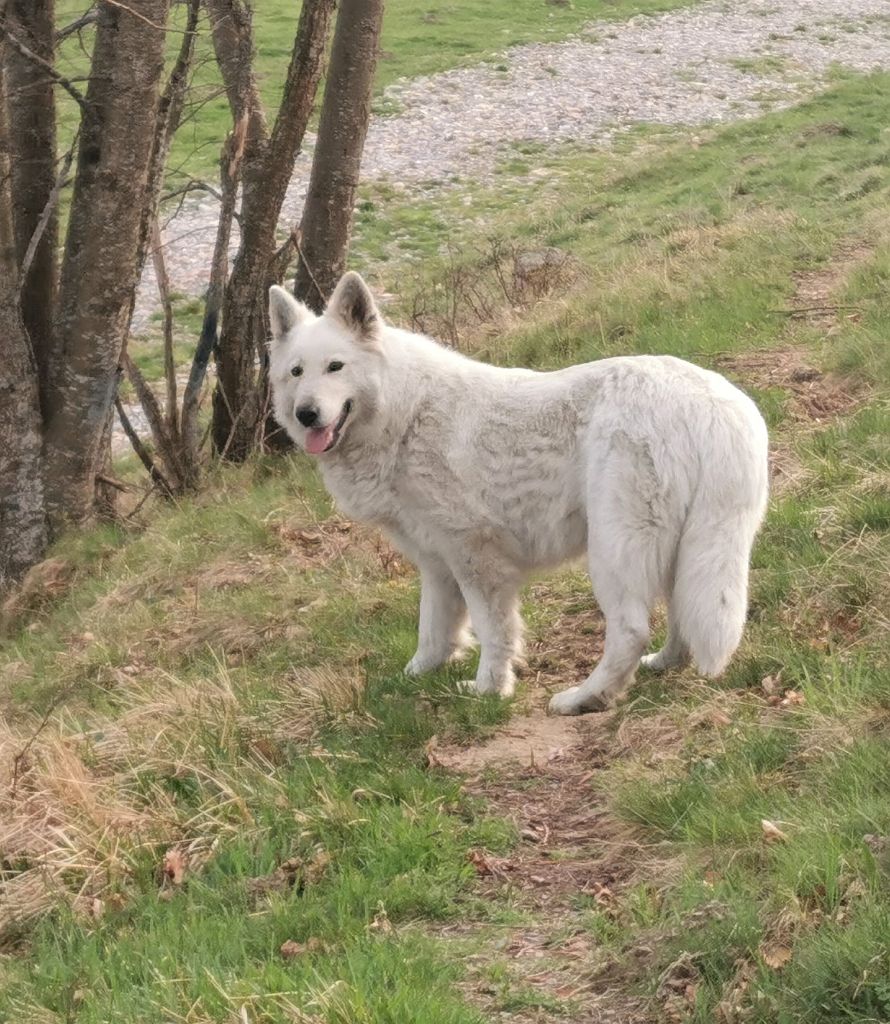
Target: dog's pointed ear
{"points": [[285, 312], [353, 305]]}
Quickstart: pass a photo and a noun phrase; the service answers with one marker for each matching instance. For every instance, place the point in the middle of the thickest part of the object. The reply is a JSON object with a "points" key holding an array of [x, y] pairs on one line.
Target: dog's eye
{"points": [[334, 366], [296, 371]]}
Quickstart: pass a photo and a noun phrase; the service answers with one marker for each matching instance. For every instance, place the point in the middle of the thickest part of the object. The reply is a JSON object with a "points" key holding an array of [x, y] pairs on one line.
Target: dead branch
{"points": [[110, 481], [44, 66], [192, 186], [141, 451], [61, 181], [84, 21], [163, 282], [828, 308], [230, 173]]}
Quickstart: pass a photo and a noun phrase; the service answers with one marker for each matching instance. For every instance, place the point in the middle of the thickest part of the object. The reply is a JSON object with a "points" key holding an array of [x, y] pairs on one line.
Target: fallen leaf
{"points": [[793, 698], [316, 867], [776, 956], [486, 865], [771, 684], [771, 832], [290, 949], [175, 864], [432, 758], [381, 922]]}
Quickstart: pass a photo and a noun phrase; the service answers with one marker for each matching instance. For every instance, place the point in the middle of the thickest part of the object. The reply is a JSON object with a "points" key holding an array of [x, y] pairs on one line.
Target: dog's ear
{"points": [[353, 305], [285, 312]]}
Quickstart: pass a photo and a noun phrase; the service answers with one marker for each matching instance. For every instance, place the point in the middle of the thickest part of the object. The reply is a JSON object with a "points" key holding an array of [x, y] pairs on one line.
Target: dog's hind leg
{"points": [[674, 654], [627, 554], [443, 616]]}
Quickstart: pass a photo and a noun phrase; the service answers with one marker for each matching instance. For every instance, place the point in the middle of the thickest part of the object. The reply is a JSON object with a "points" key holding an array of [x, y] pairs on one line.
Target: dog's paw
{"points": [[571, 702], [418, 665], [486, 688]]}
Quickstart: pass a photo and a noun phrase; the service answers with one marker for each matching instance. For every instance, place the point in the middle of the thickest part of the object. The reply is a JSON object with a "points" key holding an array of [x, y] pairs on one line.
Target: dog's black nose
{"points": [[307, 415]]}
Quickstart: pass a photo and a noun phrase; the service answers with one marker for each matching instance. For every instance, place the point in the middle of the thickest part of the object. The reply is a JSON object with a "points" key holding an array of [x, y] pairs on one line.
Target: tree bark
{"points": [[267, 169], [32, 128], [101, 260], [345, 113], [22, 521]]}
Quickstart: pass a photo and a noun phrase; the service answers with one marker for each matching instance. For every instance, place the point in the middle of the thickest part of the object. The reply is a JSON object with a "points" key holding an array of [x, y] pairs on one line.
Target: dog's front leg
{"points": [[494, 612], [443, 615]]}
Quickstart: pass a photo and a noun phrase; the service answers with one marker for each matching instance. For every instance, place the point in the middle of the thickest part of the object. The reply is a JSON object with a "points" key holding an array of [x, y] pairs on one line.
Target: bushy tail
{"points": [[710, 594]]}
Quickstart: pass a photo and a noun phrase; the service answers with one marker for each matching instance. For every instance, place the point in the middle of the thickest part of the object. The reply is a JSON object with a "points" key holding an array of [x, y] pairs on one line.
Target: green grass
{"points": [[228, 676]]}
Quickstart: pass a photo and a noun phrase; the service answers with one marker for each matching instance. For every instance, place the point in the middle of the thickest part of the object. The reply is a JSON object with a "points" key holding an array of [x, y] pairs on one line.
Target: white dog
{"points": [[480, 475]]}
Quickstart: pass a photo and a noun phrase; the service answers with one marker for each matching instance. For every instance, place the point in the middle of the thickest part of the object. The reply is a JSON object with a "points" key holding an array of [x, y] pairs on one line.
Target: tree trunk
{"points": [[22, 521], [32, 128], [345, 113], [101, 260], [267, 169]]}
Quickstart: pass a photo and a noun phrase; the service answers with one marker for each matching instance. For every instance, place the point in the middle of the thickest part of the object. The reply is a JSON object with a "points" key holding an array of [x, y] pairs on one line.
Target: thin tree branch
{"points": [[45, 66], [52, 201], [230, 173], [192, 186], [139, 448], [136, 14], [163, 281], [84, 21]]}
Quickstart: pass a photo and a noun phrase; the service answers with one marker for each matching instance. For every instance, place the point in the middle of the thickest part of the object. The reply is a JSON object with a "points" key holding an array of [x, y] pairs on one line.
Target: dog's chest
{"points": [[361, 488]]}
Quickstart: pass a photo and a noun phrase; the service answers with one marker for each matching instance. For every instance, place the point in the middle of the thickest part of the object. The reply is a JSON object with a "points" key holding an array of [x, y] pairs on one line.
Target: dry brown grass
{"points": [[79, 802]]}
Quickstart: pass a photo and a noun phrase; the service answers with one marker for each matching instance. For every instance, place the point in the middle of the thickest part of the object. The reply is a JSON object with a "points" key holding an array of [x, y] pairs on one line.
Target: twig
{"points": [[46, 67], [163, 282], [109, 481], [143, 499], [322, 298], [230, 172], [139, 448], [85, 20], [193, 186], [53, 198], [136, 14], [19, 758], [814, 309], [283, 255]]}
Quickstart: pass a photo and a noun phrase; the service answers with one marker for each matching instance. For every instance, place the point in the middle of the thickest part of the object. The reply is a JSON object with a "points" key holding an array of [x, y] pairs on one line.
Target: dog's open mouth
{"points": [[323, 439]]}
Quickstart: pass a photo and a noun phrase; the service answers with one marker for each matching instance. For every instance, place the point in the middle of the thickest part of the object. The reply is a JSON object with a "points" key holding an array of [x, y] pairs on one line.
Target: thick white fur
{"points": [[480, 475]]}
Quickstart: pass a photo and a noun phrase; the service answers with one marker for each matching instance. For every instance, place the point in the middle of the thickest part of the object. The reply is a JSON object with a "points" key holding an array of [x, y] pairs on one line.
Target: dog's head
{"points": [[325, 370]]}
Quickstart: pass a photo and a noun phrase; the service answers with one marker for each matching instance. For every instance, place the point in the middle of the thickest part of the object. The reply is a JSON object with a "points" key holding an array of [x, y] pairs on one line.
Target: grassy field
{"points": [[419, 38], [221, 801]]}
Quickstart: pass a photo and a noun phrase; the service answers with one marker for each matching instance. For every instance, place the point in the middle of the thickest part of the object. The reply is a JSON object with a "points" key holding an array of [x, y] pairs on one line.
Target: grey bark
{"points": [[267, 168], [32, 128], [345, 113], [22, 522], [101, 259]]}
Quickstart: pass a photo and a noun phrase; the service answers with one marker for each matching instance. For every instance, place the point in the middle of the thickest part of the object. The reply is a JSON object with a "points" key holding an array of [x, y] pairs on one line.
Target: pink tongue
{"points": [[318, 439]]}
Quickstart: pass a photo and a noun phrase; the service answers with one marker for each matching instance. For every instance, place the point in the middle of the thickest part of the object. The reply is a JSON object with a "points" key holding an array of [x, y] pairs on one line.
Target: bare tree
{"points": [[267, 168], [22, 523], [32, 131], [100, 263], [346, 111], [63, 328]]}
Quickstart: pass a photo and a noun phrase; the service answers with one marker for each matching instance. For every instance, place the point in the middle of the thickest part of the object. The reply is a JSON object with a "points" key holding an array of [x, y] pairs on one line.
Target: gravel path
{"points": [[716, 61]]}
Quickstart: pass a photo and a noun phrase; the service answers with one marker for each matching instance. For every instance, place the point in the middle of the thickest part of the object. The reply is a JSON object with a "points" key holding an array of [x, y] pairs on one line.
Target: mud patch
{"points": [[529, 741], [813, 395], [573, 859], [569, 648], [815, 291]]}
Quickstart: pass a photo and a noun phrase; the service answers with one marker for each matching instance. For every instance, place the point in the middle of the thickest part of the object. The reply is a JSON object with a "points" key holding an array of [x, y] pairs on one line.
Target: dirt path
{"points": [[712, 62]]}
